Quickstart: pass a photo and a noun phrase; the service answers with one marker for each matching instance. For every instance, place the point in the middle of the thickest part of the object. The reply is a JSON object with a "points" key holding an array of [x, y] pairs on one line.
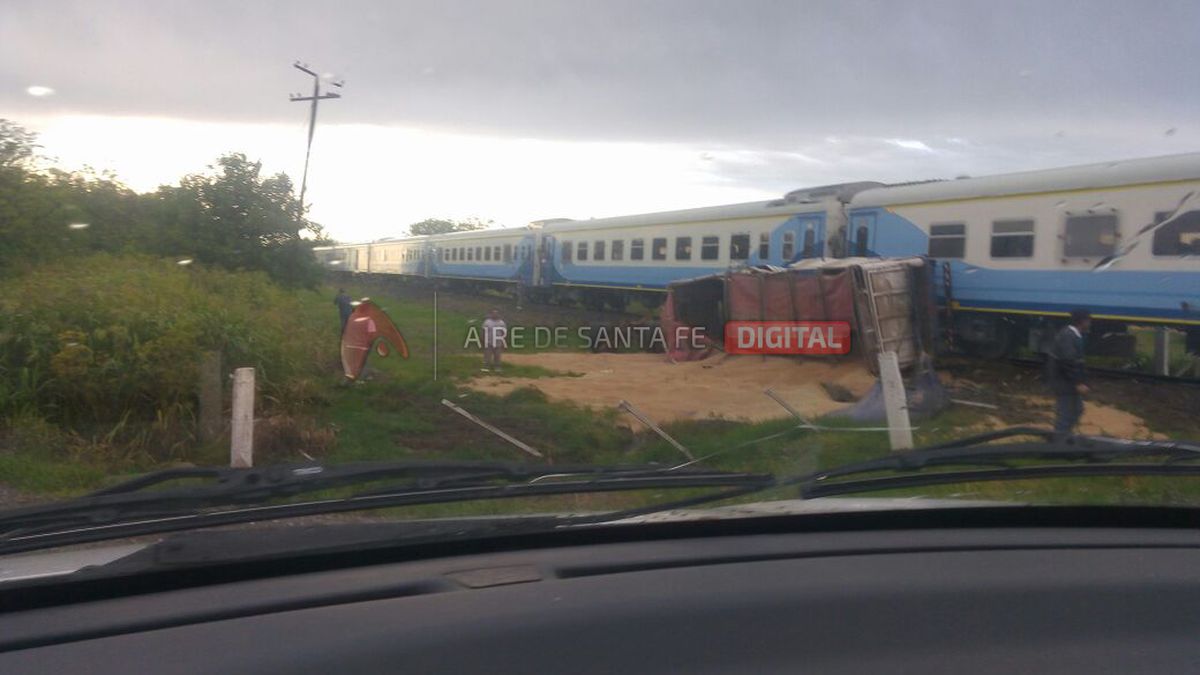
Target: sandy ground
{"points": [[728, 387], [1103, 420], [731, 387]]}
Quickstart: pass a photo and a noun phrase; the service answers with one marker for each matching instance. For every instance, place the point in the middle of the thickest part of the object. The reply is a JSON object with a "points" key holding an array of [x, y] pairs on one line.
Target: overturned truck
{"points": [[887, 302]]}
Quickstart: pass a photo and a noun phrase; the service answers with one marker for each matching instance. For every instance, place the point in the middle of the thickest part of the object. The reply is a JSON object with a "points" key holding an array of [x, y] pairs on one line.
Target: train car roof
{"points": [[1106, 174], [698, 215], [480, 234]]}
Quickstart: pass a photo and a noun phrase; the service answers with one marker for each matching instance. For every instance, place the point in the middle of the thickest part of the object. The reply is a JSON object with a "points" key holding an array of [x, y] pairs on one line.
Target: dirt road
{"points": [[728, 387], [731, 387]]}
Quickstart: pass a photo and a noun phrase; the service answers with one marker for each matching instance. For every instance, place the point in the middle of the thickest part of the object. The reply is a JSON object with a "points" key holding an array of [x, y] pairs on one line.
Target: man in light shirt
{"points": [[495, 336]]}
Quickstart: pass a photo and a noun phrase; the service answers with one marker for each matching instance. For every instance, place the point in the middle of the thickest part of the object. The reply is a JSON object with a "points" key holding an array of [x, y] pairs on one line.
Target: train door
{"points": [[861, 235], [544, 249], [810, 238]]}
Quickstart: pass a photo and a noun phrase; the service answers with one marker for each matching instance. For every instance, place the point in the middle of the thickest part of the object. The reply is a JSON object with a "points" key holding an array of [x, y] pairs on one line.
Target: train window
{"points": [[508, 253], [862, 237], [764, 246], [810, 241], [618, 249], [496, 253], [739, 246], [1181, 236], [1090, 236], [581, 251], [683, 248], [636, 249], [710, 248], [487, 253], [658, 250], [948, 240], [565, 247], [478, 253], [1012, 239], [598, 251], [789, 246]]}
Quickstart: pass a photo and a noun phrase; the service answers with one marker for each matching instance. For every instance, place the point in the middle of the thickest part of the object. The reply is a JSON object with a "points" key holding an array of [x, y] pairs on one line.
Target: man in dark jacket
{"points": [[1065, 371], [345, 306]]}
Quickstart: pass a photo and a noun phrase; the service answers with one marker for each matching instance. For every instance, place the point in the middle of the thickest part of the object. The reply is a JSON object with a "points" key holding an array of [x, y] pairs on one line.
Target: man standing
{"points": [[344, 305], [1066, 373], [495, 335]]}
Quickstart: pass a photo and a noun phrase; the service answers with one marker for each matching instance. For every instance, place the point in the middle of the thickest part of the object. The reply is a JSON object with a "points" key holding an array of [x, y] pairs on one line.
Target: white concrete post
{"points": [[1162, 351], [241, 446], [895, 401]]}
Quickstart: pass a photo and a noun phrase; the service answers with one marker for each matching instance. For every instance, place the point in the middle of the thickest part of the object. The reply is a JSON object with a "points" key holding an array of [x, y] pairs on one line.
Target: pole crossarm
{"points": [[316, 98]]}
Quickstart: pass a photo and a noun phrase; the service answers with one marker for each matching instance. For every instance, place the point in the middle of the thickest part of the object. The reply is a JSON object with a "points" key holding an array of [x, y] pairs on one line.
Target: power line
{"points": [[316, 98]]}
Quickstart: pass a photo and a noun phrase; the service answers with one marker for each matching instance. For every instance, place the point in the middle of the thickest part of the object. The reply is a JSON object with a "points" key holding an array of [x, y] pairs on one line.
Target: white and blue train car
{"points": [[607, 257], [503, 255], [1021, 250], [1120, 238]]}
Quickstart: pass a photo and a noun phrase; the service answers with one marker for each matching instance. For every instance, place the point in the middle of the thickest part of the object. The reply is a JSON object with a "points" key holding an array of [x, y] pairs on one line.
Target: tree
{"points": [[17, 144], [237, 219], [441, 226]]}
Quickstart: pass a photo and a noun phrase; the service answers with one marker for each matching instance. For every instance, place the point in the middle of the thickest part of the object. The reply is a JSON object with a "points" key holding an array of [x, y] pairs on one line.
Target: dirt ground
{"points": [[731, 387]]}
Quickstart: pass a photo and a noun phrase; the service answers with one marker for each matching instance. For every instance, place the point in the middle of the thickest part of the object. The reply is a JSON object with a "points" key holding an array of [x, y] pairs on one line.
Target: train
{"points": [[1015, 252]]}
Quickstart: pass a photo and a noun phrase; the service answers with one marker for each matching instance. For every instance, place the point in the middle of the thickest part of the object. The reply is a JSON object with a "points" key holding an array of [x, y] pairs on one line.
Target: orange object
{"points": [[369, 328]]}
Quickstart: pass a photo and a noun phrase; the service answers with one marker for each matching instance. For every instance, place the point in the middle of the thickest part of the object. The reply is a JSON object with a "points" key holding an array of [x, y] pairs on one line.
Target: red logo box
{"points": [[811, 338]]}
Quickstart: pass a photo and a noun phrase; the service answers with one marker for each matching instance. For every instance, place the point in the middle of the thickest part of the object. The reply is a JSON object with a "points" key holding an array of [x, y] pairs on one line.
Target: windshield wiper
{"points": [[150, 504], [1078, 456]]}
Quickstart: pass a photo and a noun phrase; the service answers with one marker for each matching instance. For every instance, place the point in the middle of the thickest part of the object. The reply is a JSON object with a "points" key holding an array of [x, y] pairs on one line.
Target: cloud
{"points": [[529, 108], [909, 144], [700, 71]]}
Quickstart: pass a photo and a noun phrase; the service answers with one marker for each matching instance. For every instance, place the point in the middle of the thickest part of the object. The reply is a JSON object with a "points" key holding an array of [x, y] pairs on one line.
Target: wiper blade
{"points": [[1083, 456], [143, 505]]}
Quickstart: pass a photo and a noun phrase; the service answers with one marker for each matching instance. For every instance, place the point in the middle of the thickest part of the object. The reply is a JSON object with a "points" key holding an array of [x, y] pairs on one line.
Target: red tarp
{"points": [[794, 295], [683, 351]]}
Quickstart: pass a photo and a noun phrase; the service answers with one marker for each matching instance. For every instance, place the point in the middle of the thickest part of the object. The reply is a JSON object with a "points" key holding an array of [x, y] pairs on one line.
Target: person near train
{"points": [[1065, 373], [495, 339], [345, 306]]}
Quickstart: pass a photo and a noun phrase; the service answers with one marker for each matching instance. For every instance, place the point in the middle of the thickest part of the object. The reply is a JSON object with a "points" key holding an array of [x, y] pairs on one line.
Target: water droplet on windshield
{"points": [[1170, 132], [1062, 203], [79, 226], [185, 261], [39, 91]]}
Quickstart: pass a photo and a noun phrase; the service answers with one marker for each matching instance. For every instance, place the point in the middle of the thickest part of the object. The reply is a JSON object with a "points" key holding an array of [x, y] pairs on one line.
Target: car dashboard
{"points": [[994, 590]]}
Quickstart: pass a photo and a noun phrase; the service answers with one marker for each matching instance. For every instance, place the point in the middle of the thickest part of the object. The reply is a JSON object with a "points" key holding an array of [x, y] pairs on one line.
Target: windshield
{"points": [[654, 255]]}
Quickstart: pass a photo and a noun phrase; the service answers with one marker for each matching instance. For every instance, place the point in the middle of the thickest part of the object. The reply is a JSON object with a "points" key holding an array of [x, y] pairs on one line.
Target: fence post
{"points": [[241, 446], [895, 401], [210, 395], [1162, 351]]}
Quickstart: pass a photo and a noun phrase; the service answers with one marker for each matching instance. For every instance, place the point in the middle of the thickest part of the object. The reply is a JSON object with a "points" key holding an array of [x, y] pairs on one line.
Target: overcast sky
{"points": [[523, 110]]}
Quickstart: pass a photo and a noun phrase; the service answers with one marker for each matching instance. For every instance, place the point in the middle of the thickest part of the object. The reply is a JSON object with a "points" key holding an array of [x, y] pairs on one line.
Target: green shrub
{"points": [[108, 342]]}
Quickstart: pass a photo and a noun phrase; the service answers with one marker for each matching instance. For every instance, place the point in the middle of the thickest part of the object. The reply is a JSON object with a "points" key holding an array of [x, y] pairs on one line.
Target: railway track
{"points": [[1115, 373]]}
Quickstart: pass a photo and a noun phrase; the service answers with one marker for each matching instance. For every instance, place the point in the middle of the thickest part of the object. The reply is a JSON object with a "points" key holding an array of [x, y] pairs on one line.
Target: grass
{"points": [[396, 414]]}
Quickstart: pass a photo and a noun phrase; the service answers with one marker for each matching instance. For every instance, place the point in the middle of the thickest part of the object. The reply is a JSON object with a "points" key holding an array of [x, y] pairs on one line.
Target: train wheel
{"points": [[653, 300], [984, 336], [617, 302]]}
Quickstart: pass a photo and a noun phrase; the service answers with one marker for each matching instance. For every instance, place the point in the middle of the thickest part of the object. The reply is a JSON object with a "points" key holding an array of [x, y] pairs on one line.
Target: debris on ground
{"points": [[727, 387]]}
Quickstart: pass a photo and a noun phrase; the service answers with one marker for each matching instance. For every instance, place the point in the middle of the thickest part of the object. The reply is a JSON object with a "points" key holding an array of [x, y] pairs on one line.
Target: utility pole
{"points": [[316, 97]]}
